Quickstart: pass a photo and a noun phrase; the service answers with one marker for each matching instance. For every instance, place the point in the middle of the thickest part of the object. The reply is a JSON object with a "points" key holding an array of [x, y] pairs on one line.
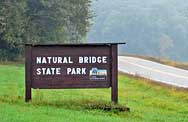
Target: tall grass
{"points": [[148, 102]]}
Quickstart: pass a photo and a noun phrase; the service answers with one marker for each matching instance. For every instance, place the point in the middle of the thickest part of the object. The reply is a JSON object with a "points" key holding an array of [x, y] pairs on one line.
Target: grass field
{"points": [[148, 102]]}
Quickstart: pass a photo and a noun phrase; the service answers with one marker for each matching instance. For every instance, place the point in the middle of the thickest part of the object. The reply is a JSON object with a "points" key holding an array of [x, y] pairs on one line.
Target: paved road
{"points": [[154, 71]]}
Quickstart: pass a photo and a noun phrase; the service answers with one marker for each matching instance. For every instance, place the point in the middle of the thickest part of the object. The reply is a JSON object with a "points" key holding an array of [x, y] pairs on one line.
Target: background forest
{"points": [[155, 28], [41, 21], [150, 27]]}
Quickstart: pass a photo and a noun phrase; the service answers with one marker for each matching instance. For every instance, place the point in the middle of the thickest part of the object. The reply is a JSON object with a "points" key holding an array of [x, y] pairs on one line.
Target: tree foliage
{"points": [[11, 28], [141, 23], [165, 43], [41, 21]]}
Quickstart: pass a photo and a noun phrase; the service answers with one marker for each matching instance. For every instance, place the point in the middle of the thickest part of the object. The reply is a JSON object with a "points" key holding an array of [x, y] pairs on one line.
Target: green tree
{"points": [[58, 20], [41, 21], [165, 44], [11, 28]]}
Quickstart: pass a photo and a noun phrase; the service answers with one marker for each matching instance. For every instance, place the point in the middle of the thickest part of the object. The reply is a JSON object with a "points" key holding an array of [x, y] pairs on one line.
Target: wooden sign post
{"points": [[62, 66]]}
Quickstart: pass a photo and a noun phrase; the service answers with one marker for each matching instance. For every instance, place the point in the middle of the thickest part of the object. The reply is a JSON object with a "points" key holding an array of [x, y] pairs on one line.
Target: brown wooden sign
{"points": [[71, 66]]}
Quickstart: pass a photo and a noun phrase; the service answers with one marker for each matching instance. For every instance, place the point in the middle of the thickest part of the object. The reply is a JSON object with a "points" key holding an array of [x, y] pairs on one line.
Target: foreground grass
{"points": [[148, 102]]}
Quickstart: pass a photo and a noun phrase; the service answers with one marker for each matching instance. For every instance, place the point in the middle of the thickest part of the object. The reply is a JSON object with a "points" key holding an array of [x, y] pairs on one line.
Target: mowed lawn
{"points": [[147, 102]]}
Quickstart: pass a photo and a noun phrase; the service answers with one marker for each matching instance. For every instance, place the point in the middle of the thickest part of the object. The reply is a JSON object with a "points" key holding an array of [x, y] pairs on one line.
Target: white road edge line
{"points": [[166, 82], [155, 70]]}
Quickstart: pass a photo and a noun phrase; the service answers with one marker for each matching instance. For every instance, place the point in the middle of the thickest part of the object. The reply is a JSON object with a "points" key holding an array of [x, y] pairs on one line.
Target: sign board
{"points": [[71, 66]]}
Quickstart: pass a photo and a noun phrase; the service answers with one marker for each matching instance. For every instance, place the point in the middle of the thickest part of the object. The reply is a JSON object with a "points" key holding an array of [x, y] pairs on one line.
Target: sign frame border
{"points": [[113, 67]]}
